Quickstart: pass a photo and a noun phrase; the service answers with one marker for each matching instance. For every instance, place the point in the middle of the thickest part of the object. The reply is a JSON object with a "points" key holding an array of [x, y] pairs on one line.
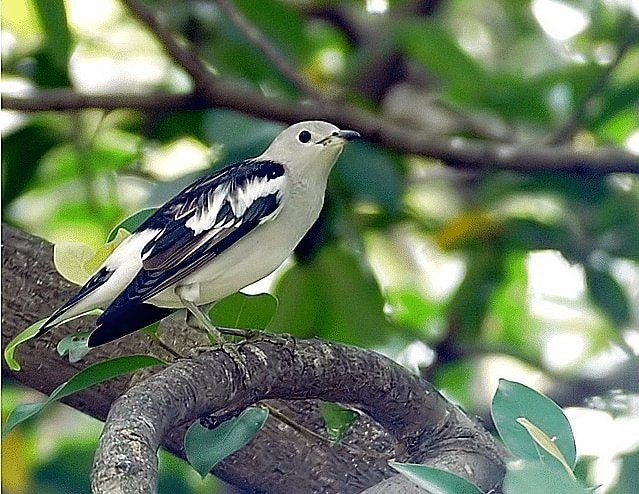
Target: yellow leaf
{"points": [[473, 225], [69, 259], [92, 264], [541, 438], [16, 474]]}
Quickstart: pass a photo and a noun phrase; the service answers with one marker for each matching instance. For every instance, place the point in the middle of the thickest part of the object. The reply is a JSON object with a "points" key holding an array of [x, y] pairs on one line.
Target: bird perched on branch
{"points": [[220, 234]]}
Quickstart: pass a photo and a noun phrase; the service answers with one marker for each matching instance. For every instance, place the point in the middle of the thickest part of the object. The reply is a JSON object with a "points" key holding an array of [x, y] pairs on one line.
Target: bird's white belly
{"points": [[250, 259]]}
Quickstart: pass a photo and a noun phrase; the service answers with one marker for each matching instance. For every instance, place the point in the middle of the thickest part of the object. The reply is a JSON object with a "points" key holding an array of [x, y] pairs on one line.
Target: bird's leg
{"points": [[205, 322]]}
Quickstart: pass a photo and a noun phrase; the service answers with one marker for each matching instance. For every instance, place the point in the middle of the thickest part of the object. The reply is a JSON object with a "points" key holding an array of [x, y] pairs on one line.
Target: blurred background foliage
{"points": [[463, 276]]}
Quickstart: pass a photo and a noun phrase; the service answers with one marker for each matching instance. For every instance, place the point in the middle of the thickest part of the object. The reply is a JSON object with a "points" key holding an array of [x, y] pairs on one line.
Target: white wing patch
{"points": [[239, 198]]}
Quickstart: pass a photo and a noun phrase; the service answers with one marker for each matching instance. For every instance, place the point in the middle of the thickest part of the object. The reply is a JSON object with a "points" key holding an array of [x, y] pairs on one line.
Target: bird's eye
{"points": [[304, 136]]}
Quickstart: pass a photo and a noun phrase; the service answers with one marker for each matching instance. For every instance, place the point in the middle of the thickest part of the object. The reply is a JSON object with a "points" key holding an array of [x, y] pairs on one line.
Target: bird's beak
{"points": [[348, 135]]}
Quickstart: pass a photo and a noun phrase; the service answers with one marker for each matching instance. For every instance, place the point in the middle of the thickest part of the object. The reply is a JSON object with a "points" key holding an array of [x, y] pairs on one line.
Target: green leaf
{"points": [[86, 378], [338, 420], [205, 448], [433, 46], [23, 336], [372, 174], [609, 296], [131, 223], [238, 134], [537, 478], [20, 162], [629, 475], [53, 18], [435, 480], [75, 346], [514, 401], [330, 287], [52, 58], [244, 311], [469, 305]]}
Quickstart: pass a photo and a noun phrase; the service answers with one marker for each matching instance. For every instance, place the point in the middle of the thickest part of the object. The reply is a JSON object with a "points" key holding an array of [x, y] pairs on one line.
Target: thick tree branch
{"points": [[456, 152], [427, 428]]}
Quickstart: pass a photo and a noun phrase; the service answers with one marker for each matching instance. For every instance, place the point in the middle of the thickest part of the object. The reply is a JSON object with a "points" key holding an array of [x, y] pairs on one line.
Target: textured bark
{"points": [[427, 429], [412, 421]]}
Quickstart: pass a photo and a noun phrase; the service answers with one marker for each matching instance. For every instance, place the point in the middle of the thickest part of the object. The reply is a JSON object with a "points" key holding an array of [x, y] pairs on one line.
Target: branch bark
{"points": [[422, 426], [426, 427], [456, 152]]}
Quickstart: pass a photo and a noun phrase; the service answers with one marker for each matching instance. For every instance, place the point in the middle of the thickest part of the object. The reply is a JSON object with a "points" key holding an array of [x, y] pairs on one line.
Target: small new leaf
{"points": [[75, 346], [338, 420], [205, 448]]}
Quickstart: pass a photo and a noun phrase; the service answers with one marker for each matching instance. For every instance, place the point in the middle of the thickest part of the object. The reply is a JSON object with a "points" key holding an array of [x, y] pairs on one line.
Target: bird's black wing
{"points": [[198, 224]]}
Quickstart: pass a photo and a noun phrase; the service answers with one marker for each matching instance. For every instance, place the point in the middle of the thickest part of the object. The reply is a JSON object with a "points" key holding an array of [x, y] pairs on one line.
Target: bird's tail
{"points": [[116, 322]]}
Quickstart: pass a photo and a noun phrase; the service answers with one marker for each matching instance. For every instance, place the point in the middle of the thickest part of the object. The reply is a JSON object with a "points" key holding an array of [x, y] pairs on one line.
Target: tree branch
{"points": [[426, 427], [264, 45], [31, 288], [67, 99], [456, 152]]}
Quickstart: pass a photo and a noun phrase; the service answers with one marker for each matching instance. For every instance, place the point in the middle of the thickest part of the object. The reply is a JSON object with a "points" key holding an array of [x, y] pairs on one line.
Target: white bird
{"points": [[220, 234]]}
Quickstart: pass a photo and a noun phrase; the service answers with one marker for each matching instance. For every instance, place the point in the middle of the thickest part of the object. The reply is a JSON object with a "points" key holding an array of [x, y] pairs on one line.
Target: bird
{"points": [[220, 234]]}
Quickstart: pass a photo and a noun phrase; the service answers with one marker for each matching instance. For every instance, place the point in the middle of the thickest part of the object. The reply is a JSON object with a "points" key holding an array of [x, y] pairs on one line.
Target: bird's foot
{"points": [[247, 334]]}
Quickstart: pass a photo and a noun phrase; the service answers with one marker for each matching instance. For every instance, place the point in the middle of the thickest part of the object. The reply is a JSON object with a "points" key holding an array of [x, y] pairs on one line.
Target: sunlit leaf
{"points": [[514, 401], [541, 438], [435, 480], [70, 258], [92, 265], [338, 420], [205, 448], [534, 477], [244, 311], [94, 374], [23, 336], [468, 228]]}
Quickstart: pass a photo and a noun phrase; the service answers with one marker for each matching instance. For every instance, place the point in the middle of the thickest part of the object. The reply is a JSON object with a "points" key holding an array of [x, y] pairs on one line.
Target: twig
{"points": [[187, 59], [567, 131], [455, 152], [318, 437], [68, 99], [268, 49]]}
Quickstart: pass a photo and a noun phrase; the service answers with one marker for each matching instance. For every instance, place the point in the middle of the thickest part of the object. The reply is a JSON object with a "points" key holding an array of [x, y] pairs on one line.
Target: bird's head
{"points": [[311, 144]]}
